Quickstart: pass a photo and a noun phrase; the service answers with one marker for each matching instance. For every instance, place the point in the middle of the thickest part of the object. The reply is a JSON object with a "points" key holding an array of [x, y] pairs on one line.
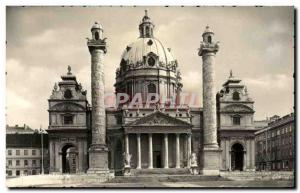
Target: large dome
{"points": [[148, 67], [142, 47]]}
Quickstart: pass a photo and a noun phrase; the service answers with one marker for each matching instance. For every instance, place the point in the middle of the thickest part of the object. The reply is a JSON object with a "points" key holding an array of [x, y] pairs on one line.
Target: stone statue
{"points": [[194, 159], [55, 87], [127, 159], [80, 86], [194, 164], [69, 70]]}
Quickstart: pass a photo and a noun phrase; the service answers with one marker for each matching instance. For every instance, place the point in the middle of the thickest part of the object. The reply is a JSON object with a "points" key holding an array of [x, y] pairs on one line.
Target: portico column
{"points": [[166, 163], [150, 166], [244, 161], [189, 150], [229, 158], [138, 151], [177, 151], [126, 144]]}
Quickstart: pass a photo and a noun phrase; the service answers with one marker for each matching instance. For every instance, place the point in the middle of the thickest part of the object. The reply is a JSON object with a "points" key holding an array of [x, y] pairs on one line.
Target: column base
{"points": [[211, 161], [98, 160]]}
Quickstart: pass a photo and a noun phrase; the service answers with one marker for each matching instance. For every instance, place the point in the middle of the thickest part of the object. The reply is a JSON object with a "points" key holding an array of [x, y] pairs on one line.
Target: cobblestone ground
{"points": [[200, 184]]}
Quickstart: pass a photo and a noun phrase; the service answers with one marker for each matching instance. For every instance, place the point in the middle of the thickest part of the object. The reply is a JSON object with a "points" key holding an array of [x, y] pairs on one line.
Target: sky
{"points": [[256, 43]]}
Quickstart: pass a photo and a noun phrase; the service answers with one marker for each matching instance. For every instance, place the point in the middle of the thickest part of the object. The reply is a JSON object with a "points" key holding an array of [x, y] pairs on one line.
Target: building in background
{"points": [[275, 144], [24, 151]]}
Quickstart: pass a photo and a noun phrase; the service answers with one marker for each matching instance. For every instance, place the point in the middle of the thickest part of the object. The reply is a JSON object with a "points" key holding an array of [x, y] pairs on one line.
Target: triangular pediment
{"points": [[159, 119]]}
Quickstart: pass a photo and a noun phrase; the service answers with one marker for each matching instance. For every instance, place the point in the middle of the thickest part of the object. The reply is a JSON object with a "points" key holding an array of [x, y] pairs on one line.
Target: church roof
{"points": [[233, 81], [136, 51]]}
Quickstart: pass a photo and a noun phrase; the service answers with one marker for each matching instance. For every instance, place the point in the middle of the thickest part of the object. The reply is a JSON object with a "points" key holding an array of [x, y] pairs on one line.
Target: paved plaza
{"points": [[199, 184], [159, 181]]}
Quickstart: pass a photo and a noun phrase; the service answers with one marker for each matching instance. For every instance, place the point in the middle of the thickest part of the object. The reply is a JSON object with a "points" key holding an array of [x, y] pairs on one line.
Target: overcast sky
{"points": [[255, 42]]}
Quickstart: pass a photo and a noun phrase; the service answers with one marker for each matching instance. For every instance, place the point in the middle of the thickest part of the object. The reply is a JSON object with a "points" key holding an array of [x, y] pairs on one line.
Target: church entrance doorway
{"points": [[237, 157], [157, 151], [157, 159], [69, 159]]}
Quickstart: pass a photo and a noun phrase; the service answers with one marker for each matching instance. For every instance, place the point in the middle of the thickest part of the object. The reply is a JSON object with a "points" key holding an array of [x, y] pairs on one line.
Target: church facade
{"points": [[157, 134]]}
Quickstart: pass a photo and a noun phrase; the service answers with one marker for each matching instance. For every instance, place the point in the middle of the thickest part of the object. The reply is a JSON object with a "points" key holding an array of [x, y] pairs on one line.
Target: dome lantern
{"points": [[146, 27]]}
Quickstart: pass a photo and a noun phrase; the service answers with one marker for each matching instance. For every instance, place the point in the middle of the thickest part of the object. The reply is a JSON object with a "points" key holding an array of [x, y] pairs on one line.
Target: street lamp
{"points": [[42, 151]]}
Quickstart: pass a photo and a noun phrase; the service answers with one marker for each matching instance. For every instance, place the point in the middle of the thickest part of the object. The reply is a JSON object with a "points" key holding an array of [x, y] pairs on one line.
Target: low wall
{"points": [[256, 175]]}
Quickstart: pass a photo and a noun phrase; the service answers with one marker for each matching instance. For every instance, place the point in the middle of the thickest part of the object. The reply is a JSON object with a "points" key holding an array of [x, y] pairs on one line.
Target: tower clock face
{"points": [[151, 61], [68, 94]]}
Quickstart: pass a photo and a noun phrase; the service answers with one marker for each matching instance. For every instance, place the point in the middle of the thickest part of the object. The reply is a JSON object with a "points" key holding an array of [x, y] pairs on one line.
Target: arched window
{"points": [[236, 96], [97, 35], [147, 31], [209, 39], [151, 88]]}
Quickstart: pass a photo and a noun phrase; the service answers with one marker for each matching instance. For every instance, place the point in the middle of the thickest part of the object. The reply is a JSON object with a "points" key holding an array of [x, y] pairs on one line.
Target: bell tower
{"points": [[211, 151]]}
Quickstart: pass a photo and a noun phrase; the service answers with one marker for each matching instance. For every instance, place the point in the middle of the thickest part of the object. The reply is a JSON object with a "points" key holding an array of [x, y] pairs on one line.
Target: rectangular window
{"points": [[9, 173], [25, 162], [25, 172], [17, 152], [25, 152], [33, 162], [10, 162], [33, 152], [17, 162], [236, 120], [9, 152], [68, 119], [18, 173], [33, 172]]}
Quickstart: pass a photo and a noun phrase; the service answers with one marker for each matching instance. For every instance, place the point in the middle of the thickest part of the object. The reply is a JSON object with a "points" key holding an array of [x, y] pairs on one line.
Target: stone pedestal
{"points": [[211, 161], [126, 171], [98, 160]]}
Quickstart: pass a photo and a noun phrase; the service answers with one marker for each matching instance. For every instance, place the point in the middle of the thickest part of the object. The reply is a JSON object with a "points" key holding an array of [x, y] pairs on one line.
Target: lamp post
{"points": [[42, 151]]}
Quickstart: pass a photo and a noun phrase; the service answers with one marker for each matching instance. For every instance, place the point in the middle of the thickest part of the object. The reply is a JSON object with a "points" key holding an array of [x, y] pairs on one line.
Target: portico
{"points": [[158, 142]]}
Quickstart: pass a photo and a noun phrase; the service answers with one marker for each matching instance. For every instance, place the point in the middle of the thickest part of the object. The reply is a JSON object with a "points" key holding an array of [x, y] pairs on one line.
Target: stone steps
{"points": [[164, 178], [169, 171]]}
